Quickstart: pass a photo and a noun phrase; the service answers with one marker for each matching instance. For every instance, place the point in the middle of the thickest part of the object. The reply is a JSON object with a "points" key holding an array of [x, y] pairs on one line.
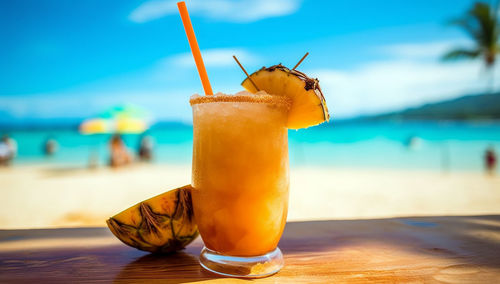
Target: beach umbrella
{"points": [[125, 119]]}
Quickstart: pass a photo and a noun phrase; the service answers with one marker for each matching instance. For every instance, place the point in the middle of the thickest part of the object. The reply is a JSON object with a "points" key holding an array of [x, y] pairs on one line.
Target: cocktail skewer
{"points": [[246, 73], [300, 61]]}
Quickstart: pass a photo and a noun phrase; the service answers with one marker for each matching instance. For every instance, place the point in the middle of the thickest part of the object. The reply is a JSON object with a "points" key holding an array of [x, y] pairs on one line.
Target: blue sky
{"points": [[72, 59]]}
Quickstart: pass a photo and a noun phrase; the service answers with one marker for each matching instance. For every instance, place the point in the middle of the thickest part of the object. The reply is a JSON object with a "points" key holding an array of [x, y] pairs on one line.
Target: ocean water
{"points": [[437, 145]]}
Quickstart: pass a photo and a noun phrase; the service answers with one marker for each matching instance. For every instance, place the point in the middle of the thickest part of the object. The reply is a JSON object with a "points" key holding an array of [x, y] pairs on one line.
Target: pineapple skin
{"points": [[162, 224]]}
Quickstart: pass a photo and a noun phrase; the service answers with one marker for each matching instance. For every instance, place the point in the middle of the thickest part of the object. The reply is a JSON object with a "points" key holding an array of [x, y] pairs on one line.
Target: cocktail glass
{"points": [[240, 179]]}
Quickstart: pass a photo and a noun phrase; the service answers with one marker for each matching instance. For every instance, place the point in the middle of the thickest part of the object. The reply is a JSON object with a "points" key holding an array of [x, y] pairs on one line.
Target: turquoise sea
{"points": [[371, 144]]}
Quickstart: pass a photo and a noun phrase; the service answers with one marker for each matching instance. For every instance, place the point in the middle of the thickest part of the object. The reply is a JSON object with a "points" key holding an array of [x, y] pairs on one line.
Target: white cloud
{"points": [[223, 10], [431, 50], [218, 57], [403, 81], [152, 10], [64, 105]]}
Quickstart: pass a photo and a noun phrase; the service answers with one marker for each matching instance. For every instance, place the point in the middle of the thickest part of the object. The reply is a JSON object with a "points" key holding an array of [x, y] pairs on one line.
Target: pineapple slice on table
{"points": [[161, 224], [309, 105]]}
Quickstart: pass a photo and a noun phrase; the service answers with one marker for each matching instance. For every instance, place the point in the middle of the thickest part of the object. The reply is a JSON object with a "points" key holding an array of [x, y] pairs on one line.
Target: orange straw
{"points": [[195, 49]]}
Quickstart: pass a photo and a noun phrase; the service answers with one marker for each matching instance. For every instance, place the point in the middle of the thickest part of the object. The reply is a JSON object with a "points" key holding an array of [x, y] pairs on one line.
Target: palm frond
{"points": [[481, 23], [486, 20], [461, 53]]}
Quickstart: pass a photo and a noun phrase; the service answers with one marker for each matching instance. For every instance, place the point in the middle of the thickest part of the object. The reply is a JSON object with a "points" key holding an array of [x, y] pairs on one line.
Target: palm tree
{"points": [[481, 24]]}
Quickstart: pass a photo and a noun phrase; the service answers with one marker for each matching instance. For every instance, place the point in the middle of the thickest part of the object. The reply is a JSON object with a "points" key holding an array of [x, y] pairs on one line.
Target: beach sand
{"points": [[49, 196]]}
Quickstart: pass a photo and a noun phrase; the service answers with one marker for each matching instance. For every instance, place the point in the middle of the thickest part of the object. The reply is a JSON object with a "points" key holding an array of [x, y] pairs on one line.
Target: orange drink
{"points": [[240, 175], [240, 162]]}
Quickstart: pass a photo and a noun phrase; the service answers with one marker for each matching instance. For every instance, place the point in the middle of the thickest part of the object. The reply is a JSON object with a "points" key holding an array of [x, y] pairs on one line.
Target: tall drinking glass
{"points": [[240, 180]]}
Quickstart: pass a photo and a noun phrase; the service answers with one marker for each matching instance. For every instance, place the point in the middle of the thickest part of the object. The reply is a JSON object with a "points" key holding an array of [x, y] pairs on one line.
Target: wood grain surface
{"points": [[423, 249]]}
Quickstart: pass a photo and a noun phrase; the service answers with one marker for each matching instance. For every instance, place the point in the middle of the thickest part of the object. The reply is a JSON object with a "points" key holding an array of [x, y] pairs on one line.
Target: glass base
{"points": [[241, 266]]}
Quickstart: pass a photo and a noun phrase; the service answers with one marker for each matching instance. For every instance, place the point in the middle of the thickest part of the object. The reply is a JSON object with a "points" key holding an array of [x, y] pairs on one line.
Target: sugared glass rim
{"points": [[279, 101]]}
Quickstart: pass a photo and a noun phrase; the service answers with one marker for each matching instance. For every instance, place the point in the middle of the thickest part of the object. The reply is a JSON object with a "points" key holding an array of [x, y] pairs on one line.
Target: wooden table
{"points": [[424, 249]]}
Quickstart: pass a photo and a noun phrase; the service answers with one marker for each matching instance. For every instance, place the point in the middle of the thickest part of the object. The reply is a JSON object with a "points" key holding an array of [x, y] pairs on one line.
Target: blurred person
{"points": [[146, 144], [119, 153], [413, 142], [8, 150], [490, 160], [4, 153], [12, 145], [50, 146], [93, 160]]}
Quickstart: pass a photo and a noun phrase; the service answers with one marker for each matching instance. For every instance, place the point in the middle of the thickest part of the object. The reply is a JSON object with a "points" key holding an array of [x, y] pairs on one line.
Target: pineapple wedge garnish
{"points": [[161, 224], [308, 103]]}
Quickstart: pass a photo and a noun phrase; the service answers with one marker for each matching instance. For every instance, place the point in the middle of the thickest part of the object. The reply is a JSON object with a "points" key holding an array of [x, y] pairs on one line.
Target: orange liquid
{"points": [[240, 176]]}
